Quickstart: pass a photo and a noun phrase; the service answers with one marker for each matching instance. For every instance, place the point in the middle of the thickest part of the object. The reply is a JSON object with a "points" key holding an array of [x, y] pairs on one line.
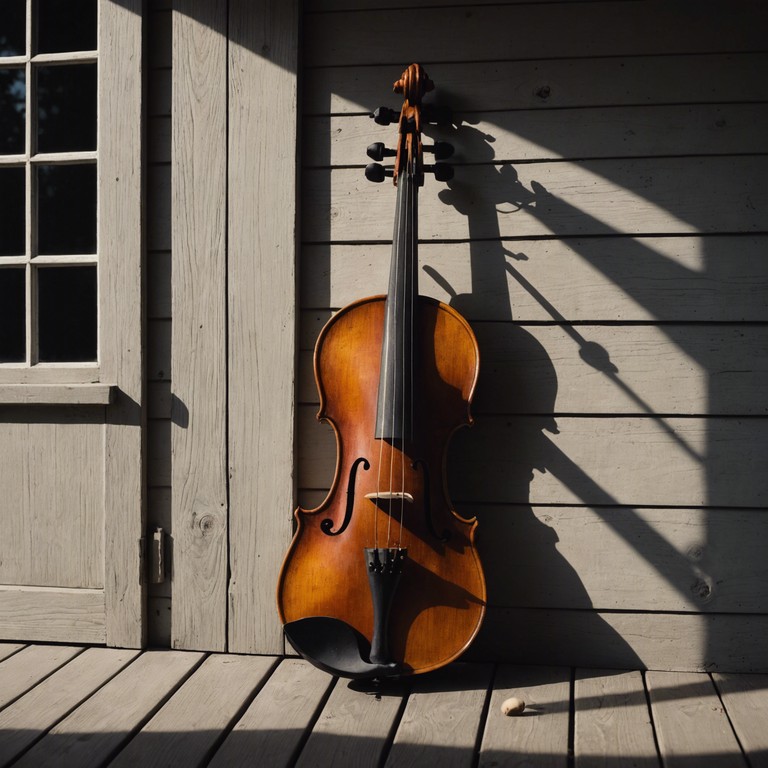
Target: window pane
{"points": [[66, 25], [66, 108], [66, 220], [12, 311], [12, 28], [12, 208], [13, 91], [66, 299]]}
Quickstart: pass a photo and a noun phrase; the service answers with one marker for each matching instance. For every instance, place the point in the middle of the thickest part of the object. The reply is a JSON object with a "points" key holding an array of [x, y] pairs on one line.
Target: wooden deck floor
{"points": [[71, 706]]}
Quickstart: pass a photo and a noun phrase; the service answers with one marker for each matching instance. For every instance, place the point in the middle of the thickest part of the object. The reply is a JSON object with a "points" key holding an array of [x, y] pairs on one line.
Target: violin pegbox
{"points": [[413, 84]]}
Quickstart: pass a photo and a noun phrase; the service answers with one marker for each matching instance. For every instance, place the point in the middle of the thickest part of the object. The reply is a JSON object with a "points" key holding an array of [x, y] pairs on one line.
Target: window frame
{"points": [[119, 236]]}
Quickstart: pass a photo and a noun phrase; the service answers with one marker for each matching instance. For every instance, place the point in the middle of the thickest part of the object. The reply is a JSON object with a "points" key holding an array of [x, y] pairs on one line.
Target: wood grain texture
{"points": [[442, 718], [538, 737], [67, 394], [708, 370], [30, 716], [27, 667], [187, 728], [106, 721], [623, 640], [121, 242], [276, 723], [263, 60], [52, 484], [198, 373], [640, 279], [612, 724], [691, 724], [538, 83], [585, 460], [8, 649], [578, 133], [525, 32], [53, 614], [606, 558], [566, 199], [745, 698]]}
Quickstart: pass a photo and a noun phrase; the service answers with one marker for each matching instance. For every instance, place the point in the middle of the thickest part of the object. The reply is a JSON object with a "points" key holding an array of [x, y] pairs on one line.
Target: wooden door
{"points": [[71, 379]]}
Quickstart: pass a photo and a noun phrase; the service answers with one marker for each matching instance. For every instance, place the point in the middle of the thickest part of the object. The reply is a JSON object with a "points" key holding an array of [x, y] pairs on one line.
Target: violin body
{"points": [[435, 617], [383, 579]]}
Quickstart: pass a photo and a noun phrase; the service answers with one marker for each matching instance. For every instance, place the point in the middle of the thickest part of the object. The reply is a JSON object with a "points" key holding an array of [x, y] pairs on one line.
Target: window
{"points": [[49, 250]]}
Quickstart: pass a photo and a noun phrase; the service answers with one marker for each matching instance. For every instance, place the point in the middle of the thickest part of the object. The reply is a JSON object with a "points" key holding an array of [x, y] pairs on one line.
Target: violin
{"points": [[383, 578]]}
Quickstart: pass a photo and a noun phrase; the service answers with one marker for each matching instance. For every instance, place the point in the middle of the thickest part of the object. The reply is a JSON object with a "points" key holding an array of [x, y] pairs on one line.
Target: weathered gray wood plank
{"points": [[8, 649], [30, 716], [354, 728], [548, 84], [198, 431], [263, 62], [121, 332], [41, 614], [609, 558], [30, 665], [612, 722], [585, 460], [442, 718], [94, 731], [624, 639], [714, 278], [540, 736], [680, 195], [708, 370], [534, 31], [276, 722], [746, 701], [691, 725], [639, 131], [186, 729]]}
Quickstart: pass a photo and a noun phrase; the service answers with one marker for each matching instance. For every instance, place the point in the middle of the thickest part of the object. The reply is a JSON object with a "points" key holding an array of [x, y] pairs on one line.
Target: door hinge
{"points": [[154, 555]]}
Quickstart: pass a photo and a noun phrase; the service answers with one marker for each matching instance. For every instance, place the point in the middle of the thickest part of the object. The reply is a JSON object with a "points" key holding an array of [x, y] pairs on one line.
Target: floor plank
{"points": [[8, 649], [355, 727], [102, 724], [691, 726], [27, 667], [746, 700], [276, 723], [612, 725], [540, 736], [29, 717], [442, 718], [185, 731]]}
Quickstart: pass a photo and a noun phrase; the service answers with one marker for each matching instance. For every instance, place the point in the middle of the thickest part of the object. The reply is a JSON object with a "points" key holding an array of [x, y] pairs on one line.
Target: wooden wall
{"points": [[606, 236]]}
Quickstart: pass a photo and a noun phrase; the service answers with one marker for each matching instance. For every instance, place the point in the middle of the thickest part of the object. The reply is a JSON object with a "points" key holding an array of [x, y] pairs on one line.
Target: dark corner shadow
{"points": [[508, 530]]}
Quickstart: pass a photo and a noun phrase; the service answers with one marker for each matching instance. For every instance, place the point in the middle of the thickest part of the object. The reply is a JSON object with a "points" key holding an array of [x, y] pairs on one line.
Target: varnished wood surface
{"points": [[93, 707]]}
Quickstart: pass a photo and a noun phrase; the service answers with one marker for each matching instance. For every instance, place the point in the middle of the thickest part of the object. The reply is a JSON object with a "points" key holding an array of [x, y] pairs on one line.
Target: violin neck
{"points": [[394, 414]]}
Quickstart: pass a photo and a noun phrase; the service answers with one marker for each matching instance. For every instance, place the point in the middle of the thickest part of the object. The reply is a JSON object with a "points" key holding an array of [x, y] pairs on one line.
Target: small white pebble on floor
{"points": [[513, 706]]}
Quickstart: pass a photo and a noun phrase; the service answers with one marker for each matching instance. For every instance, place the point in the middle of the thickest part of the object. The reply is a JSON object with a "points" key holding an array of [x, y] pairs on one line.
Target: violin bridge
{"points": [[390, 496]]}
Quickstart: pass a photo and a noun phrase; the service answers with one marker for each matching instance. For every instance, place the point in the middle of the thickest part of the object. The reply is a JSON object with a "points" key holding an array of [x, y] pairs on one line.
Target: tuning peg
{"points": [[377, 151], [441, 149], [442, 171], [435, 114], [377, 173], [385, 116]]}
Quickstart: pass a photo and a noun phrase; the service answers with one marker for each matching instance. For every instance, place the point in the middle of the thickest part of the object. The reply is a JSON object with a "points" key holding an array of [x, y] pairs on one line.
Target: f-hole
{"points": [[428, 502], [327, 525]]}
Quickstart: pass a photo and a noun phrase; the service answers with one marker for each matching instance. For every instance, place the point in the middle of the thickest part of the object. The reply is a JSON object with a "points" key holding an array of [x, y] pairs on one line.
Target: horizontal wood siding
{"points": [[605, 234]]}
